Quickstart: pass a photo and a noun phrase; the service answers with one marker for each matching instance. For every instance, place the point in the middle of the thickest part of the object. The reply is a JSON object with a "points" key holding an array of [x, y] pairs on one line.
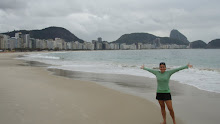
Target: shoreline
{"points": [[198, 76], [30, 94], [185, 97], [191, 105]]}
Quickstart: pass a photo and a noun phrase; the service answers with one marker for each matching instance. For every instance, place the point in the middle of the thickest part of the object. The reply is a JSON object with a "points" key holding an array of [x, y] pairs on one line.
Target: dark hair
{"points": [[162, 63]]}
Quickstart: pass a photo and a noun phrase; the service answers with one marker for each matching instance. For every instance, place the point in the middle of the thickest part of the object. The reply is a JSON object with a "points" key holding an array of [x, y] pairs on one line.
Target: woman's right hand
{"points": [[142, 67], [189, 66]]}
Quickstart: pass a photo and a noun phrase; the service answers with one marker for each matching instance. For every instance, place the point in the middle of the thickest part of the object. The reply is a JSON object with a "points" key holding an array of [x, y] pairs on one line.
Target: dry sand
{"points": [[31, 95]]}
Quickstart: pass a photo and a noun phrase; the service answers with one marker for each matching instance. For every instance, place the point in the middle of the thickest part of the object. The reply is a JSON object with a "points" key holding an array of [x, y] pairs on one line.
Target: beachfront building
{"points": [[59, 43], [147, 46], [1, 42], [38, 43], [43, 44], [77, 45], [64, 45], [20, 40], [105, 45], [4, 42], [173, 46], [69, 45], [114, 46], [29, 44], [74, 45], [133, 47], [88, 46], [50, 44], [157, 43], [13, 43], [33, 43], [127, 47], [99, 39], [26, 40], [138, 46], [16, 42], [98, 45], [123, 46], [80, 46], [18, 35]]}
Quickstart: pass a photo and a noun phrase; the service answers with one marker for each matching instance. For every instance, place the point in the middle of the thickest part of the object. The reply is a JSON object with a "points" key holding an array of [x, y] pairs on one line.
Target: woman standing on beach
{"points": [[163, 90]]}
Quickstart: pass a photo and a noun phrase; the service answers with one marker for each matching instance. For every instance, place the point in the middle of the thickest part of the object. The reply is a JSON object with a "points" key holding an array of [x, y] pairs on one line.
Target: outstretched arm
{"points": [[181, 68], [150, 70]]}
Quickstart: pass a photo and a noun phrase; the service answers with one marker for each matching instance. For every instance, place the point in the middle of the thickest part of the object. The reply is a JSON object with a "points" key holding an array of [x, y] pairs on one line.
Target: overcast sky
{"points": [[109, 19]]}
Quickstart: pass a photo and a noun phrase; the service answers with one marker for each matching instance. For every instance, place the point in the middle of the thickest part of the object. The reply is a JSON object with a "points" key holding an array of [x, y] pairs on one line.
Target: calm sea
{"points": [[204, 75]]}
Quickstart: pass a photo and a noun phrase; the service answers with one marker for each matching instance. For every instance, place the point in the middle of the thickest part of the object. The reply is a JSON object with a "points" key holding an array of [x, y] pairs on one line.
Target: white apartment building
{"points": [[26, 40], [59, 43], [88, 46], [147, 46], [4, 42], [50, 44], [69, 45]]}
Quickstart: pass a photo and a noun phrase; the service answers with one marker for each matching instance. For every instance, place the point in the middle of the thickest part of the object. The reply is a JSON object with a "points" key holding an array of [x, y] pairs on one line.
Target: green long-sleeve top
{"points": [[163, 78]]}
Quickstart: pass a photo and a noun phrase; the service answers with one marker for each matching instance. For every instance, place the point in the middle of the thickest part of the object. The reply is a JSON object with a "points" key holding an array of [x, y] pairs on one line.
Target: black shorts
{"points": [[163, 96]]}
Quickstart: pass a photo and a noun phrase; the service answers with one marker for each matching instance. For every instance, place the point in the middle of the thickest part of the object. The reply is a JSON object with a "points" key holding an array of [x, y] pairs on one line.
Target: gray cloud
{"points": [[12, 4], [198, 19]]}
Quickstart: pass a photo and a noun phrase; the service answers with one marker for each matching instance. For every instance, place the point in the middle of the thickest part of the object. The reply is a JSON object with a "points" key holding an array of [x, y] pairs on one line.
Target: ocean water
{"points": [[204, 75]]}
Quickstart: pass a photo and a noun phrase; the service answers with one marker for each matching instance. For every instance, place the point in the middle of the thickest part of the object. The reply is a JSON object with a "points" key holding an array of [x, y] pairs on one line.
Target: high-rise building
{"points": [[1, 42], [99, 39], [4, 41], [60, 43], [33, 43], [26, 40], [18, 35], [157, 43]]}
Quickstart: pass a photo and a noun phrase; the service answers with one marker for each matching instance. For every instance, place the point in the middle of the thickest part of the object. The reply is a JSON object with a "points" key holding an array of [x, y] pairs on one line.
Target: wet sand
{"points": [[191, 105], [31, 95]]}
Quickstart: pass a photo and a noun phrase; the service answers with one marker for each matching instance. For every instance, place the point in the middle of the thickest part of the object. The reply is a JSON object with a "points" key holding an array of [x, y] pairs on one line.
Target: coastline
{"points": [[30, 94], [191, 105]]}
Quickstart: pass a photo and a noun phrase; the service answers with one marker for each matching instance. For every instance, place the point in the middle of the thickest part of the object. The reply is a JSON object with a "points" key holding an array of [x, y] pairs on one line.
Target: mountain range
{"points": [[147, 38], [48, 33], [175, 37]]}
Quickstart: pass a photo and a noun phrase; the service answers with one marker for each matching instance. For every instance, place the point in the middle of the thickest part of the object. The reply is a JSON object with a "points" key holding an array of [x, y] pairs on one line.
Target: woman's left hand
{"points": [[142, 67]]}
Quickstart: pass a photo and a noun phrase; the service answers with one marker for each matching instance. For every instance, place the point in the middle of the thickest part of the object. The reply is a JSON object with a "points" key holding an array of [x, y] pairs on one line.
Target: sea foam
{"points": [[204, 79]]}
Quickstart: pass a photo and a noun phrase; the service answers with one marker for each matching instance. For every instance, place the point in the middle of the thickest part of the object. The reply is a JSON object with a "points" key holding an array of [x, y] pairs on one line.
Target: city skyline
{"points": [[197, 20], [23, 42]]}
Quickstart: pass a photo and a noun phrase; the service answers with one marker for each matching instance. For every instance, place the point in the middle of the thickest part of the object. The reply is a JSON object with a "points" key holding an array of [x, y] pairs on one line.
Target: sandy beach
{"points": [[191, 105], [32, 95]]}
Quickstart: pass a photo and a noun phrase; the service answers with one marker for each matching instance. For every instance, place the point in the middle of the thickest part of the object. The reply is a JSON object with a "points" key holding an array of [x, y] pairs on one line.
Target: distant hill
{"points": [[175, 34], [168, 40], [214, 44], [48, 33], [136, 38], [146, 38], [198, 44]]}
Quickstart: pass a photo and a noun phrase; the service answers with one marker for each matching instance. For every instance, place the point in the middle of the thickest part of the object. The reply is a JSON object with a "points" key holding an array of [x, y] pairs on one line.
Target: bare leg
{"points": [[163, 111], [170, 108]]}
